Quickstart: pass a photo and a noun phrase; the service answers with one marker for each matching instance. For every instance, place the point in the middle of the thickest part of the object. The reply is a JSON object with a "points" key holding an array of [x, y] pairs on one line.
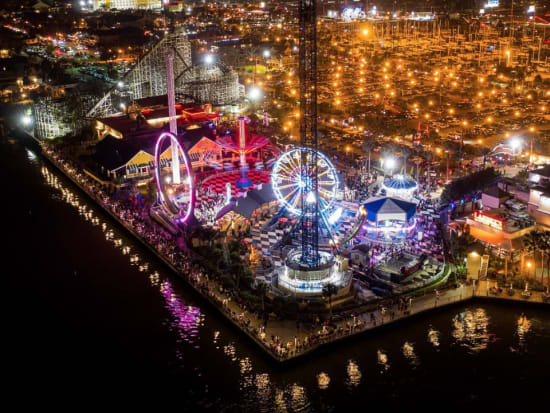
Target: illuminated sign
{"points": [[488, 220], [491, 4]]}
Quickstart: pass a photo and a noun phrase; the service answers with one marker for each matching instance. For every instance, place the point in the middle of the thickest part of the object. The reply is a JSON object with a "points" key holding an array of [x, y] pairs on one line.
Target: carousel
{"points": [[400, 186], [389, 220]]}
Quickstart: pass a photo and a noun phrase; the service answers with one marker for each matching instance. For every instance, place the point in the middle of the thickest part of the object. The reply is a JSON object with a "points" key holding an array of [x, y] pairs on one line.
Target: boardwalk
{"points": [[285, 339]]}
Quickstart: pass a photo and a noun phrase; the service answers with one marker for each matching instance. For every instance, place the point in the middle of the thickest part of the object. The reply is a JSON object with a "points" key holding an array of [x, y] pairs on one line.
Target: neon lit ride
{"points": [[243, 147], [292, 182], [389, 220], [176, 198], [290, 178], [400, 186]]}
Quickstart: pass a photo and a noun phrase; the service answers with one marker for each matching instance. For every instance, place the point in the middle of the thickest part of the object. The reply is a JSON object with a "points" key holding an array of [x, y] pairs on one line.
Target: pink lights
{"points": [[181, 204]]}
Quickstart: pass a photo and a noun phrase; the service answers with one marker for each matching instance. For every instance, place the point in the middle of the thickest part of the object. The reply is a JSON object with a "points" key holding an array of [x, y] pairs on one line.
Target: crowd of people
{"points": [[210, 204], [133, 216]]}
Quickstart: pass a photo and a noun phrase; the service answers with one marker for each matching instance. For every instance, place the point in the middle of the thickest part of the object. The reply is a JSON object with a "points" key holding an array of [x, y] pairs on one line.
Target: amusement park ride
{"points": [[176, 192], [304, 181], [242, 147]]}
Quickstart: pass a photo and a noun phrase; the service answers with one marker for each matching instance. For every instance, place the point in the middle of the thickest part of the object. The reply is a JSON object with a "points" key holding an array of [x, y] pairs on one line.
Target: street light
{"points": [[208, 59], [26, 120], [266, 54], [516, 145], [255, 93], [389, 163]]}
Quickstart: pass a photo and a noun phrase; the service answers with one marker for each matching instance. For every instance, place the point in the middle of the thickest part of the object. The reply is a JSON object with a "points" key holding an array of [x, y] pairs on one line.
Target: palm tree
{"points": [[262, 289], [449, 147], [328, 291], [533, 240], [429, 157], [545, 250], [484, 151], [406, 152], [388, 151], [367, 146]]}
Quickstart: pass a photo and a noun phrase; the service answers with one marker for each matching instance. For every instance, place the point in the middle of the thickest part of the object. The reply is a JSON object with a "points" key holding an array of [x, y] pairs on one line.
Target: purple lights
{"points": [[187, 318]]}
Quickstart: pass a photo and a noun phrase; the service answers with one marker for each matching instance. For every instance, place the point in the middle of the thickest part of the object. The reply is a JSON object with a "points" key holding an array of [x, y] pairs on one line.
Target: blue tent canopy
{"points": [[386, 208]]}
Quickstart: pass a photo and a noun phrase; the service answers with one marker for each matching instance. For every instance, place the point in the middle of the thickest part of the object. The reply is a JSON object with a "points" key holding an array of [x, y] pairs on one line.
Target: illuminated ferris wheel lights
{"points": [[290, 180], [182, 203]]}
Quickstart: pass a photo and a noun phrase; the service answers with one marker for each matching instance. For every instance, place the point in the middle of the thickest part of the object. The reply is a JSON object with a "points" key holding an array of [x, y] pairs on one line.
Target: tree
{"points": [[460, 243], [450, 147], [262, 288], [406, 152], [429, 157], [533, 241], [469, 184], [483, 151], [523, 175], [367, 146], [545, 250], [328, 291]]}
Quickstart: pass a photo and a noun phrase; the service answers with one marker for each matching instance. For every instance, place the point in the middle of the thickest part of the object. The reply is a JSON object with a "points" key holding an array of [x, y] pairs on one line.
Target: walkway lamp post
{"points": [[389, 163]]}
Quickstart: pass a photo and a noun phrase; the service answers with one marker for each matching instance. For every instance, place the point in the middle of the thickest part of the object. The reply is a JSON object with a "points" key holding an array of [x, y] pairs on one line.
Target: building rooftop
{"points": [[544, 171], [496, 192]]}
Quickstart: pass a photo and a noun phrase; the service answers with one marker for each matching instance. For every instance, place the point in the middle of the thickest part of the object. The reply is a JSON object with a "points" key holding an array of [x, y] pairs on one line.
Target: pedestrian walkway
{"points": [[281, 339], [484, 290]]}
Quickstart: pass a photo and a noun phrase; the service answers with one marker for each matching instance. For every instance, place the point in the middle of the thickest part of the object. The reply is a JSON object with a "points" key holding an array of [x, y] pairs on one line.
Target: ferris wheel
{"points": [[291, 177], [173, 176]]}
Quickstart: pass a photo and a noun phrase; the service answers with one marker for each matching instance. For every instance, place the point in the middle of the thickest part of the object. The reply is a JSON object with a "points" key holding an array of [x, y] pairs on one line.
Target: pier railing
{"points": [[356, 321]]}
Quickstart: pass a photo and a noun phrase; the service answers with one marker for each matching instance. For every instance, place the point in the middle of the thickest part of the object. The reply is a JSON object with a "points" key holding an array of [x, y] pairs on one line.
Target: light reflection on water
{"points": [[186, 319], [469, 330], [323, 380], [354, 374], [383, 360], [410, 355], [433, 338], [523, 328]]}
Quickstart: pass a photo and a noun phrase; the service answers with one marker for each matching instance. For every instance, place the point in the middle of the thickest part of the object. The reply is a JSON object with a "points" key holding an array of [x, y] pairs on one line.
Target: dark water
{"points": [[90, 312]]}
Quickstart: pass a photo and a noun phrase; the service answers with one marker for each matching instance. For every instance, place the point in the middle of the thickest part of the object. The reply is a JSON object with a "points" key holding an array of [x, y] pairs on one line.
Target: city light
{"points": [[515, 143], [389, 163], [26, 120], [208, 59], [357, 127], [254, 93]]}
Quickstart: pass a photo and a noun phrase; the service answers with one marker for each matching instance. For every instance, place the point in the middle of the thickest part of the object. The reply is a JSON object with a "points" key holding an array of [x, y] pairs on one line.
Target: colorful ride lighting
{"points": [[290, 180], [166, 192], [393, 227]]}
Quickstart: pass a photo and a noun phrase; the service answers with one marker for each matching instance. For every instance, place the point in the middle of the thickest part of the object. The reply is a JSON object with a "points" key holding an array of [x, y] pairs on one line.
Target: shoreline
{"points": [[421, 305]]}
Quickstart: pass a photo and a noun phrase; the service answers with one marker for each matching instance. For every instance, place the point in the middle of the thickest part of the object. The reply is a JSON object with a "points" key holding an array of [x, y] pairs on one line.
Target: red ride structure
{"points": [[243, 146]]}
